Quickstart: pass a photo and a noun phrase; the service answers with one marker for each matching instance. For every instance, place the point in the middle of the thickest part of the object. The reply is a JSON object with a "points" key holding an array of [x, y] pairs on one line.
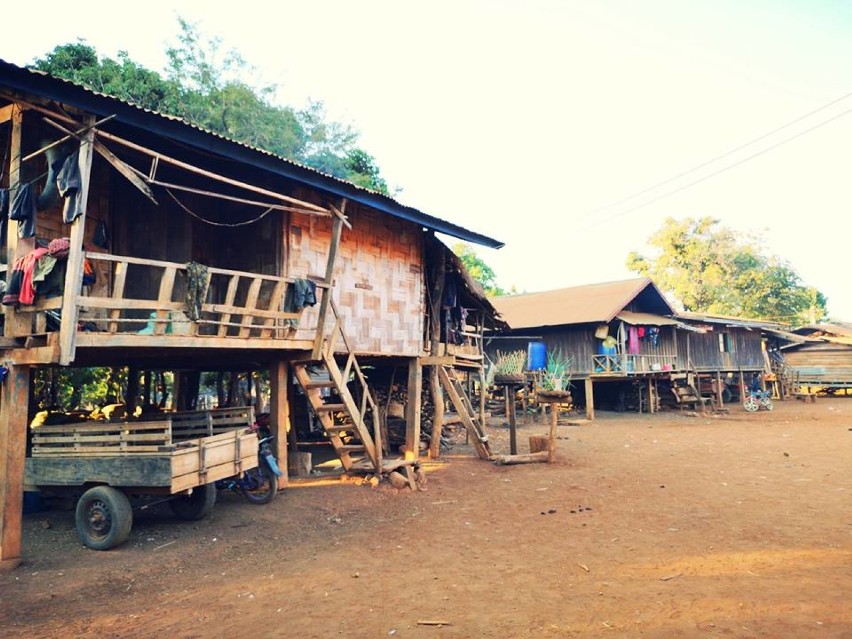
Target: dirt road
{"points": [[664, 526]]}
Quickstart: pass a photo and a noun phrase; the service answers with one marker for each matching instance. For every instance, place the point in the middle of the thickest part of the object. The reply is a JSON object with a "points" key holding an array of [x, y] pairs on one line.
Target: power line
{"points": [[722, 170], [724, 155]]}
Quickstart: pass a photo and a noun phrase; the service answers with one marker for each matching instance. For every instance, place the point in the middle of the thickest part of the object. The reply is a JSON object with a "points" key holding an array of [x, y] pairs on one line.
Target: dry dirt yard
{"points": [[663, 526]]}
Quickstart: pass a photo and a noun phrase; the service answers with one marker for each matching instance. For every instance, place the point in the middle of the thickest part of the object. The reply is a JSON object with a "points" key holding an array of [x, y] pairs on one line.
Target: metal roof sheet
{"points": [[579, 304], [179, 130]]}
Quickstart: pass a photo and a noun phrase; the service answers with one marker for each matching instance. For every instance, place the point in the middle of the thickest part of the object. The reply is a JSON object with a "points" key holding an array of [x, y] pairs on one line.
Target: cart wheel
{"points": [[103, 517], [259, 485], [195, 505]]}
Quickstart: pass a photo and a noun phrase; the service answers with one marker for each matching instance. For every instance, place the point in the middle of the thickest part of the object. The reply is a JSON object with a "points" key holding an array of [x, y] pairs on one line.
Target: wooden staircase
{"points": [[469, 416], [350, 417]]}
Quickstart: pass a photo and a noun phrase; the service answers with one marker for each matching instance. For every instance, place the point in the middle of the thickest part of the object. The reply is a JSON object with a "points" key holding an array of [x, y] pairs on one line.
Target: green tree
{"points": [[711, 269], [208, 85], [478, 269]]}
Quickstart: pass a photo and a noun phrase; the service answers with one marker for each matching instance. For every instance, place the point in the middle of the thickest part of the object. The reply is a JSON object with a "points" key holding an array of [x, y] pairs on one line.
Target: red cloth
{"points": [[27, 295]]}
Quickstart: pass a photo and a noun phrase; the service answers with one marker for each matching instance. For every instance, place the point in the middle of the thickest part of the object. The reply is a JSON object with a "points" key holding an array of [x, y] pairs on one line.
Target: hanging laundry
{"points": [[23, 210], [633, 341], [301, 293], [197, 282], [70, 184]]}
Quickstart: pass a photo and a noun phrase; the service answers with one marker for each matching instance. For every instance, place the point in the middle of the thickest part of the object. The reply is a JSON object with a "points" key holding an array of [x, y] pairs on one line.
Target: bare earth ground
{"points": [[664, 526]]}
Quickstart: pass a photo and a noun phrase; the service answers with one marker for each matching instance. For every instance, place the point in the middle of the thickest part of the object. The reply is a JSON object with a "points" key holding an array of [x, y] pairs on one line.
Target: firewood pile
{"points": [[394, 406]]}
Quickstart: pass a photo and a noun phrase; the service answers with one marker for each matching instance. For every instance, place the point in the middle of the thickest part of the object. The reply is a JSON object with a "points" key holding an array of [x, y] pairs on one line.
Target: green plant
{"points": [[556, 376]]}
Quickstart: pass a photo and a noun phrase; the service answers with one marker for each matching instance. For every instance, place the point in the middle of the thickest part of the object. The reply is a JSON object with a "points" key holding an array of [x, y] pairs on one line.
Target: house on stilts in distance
{"points": [[170, 248], [628, 347]]}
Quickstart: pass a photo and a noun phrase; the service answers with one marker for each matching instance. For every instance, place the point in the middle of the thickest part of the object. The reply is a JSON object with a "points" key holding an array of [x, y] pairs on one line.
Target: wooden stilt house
{"points": [[168, 247], [628, 347]]}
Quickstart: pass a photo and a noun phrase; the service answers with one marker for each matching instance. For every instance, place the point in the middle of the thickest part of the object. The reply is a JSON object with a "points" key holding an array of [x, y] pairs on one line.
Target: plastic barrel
{"points": [[536, 356]]}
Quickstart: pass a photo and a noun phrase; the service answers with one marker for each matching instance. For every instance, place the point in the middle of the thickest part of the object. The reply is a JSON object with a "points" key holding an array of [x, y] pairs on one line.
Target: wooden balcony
{"points": [[621, 364], [146, 306]]}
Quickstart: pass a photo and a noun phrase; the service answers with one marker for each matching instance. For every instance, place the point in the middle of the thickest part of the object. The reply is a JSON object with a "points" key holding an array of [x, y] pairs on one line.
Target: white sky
{"points": [[522, 119]]}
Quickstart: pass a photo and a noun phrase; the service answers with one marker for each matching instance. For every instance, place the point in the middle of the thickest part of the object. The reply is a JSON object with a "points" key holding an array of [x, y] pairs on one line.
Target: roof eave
{"points": [[28, 81]]}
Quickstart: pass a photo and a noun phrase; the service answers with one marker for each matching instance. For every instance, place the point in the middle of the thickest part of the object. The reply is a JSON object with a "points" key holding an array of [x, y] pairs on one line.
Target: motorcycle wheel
{"points": [[751, 405], [259, 485]]}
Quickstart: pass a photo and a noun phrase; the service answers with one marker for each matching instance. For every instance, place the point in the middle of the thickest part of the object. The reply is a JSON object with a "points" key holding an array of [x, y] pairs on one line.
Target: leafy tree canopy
{"points": [[711, 269], [209, 86], [478, 269]]}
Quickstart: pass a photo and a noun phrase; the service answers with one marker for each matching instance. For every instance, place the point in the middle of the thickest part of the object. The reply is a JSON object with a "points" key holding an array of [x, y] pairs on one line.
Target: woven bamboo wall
{"points": [[378, 280]]}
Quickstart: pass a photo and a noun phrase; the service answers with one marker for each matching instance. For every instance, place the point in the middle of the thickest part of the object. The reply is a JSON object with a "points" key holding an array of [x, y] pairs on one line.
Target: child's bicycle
{"points": [[755, 399]]}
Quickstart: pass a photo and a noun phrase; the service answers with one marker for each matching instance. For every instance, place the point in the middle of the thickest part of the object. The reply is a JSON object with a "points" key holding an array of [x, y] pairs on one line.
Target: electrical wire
{"points": [[724, 155], [715, 173], [211, 222]]}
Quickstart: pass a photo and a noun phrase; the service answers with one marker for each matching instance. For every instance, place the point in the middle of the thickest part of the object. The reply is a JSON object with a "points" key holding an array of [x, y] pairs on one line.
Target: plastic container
{"points": [[536, 356]]}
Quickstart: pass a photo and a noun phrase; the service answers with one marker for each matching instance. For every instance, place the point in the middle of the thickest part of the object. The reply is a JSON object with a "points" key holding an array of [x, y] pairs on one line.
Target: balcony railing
{"points": [[627, 364], [149, 297]]}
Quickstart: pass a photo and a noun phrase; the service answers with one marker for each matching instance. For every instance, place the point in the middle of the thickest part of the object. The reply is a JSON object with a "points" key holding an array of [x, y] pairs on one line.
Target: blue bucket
{"points": [[536, 356]]}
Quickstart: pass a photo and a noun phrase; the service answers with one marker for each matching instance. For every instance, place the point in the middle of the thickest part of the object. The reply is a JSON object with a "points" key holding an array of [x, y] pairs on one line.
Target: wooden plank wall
{"points": [[706, 355], [379, 278], [825, 362]]}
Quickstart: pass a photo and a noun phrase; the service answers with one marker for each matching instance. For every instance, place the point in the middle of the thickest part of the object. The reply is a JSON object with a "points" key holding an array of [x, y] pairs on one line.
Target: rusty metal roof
{"points": [[592, 303], [191, 135]]}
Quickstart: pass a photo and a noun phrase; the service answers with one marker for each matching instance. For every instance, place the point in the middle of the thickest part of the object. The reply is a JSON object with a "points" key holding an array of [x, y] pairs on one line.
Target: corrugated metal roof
{"points": [[579, 304], [179, 130], [836, 329], [689, 316], [647, 319]]}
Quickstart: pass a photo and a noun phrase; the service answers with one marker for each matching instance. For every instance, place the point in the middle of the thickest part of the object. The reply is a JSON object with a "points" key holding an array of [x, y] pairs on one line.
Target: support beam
{"points": [[74, 270], [590, 399], [14, 395], [412, 409], [279, 415], [17, 323], [719, 388], [327, 292]]}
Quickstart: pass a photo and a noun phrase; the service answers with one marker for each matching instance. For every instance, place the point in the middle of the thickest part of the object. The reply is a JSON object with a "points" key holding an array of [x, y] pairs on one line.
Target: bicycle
{"points": [[757, 399]]}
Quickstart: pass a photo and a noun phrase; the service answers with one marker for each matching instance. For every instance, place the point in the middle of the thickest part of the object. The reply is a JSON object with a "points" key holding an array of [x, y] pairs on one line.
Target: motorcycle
{"points": [[755, 399], [258, 485]]}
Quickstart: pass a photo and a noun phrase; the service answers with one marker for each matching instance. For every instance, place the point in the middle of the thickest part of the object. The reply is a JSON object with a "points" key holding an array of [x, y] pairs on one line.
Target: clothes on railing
{"points": [[197, 281], [41, 272], [301, 293]]}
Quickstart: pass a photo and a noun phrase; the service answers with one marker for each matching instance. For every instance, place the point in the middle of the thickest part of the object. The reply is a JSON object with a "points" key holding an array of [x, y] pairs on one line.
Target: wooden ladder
{"points": [[468, 415], [353, 426]]}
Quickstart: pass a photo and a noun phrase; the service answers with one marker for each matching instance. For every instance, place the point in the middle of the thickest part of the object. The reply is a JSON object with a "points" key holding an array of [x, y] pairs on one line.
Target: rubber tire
{"points": [[103, 517], [751, 405], [726, 395], [270, 483], [196, 505], [768, 405]]}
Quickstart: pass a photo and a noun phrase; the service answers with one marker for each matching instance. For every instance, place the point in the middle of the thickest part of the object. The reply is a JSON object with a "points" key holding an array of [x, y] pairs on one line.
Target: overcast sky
{"points": [[526, 120]]}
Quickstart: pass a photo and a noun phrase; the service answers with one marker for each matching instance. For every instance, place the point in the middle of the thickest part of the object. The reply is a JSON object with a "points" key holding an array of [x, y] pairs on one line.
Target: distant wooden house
{"points": [[629, 347], [819, 357], [172, 248], [618, 335]]}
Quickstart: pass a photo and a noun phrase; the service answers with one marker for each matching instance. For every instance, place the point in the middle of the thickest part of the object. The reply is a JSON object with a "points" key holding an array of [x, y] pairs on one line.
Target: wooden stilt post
{"points": [[412, 409], [509, 392], [651, 396], [279, 414], [719, 388], [14, 395], [590, 399], [132, 389], [551, 439]]}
